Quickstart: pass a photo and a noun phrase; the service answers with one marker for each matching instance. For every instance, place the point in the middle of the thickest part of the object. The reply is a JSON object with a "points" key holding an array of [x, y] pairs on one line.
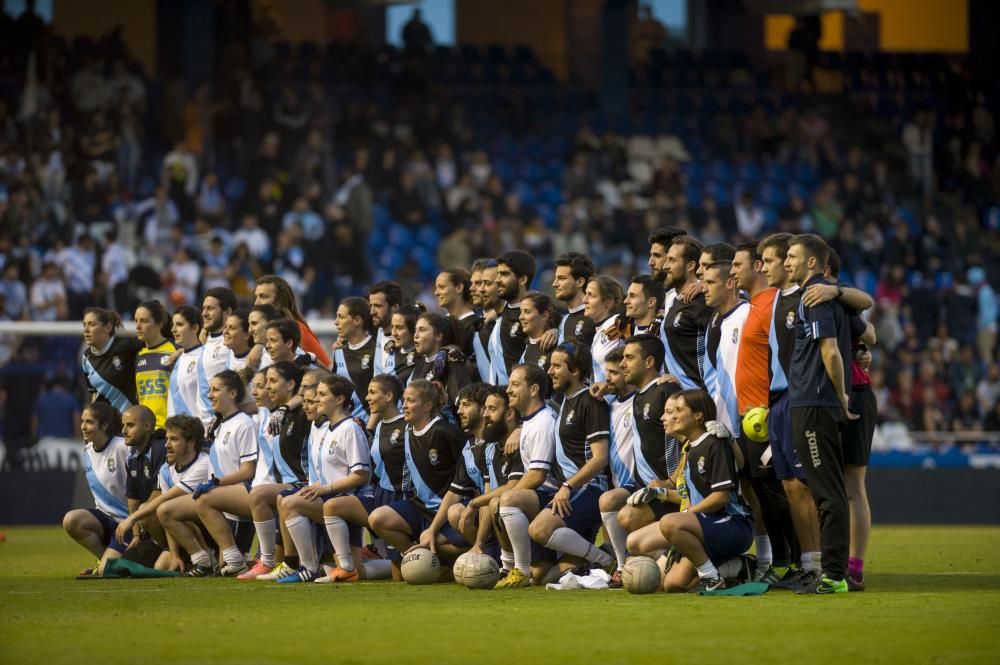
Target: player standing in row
{"points": [[602, 303], [152, 363], [493, 307], [452, 289], [384, 298], [236, 337], [354, 358], [685, 322], [643, 302], [216, 306], [188, 393], [109, 359], [273, 290], [404, 353], [514, 273], [572, 274]]}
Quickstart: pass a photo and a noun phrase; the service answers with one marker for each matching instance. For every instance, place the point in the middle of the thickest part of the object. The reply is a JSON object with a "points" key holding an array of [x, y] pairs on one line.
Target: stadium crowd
{"points": [[115, 187]]}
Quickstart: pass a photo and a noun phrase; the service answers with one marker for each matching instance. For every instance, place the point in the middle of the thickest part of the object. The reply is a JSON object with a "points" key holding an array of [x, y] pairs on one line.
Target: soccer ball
{"points": [[421, 566], [641, 575], [755, 424], [476, 571]]}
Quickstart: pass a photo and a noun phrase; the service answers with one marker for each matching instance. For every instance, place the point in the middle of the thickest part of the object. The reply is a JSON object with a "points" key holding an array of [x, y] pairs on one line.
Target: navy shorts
{"points": [[779, 428], [726, 536], [663, 508], [108, 525], [243, 534], [417, 519], [585, 518]]}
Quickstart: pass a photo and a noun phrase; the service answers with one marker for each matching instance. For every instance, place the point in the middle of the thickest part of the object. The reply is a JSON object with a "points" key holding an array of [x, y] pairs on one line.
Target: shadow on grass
{"points": [[934, 582]]}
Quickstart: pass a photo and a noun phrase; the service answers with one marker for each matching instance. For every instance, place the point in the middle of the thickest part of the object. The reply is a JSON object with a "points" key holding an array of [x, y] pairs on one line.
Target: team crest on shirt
{"points": [[514, 328], [410, 356], [579, 328], [542, 360], [394, 437], [569, 416], [163, 360], [225, 439], [366, 361], [291, 428], [146, 471], [111, 464], [645, 411], [116, 362], [190, 368], [628, 420], [790, 319], [736, 335], [677, 319], [432, 455], [701, 464]]}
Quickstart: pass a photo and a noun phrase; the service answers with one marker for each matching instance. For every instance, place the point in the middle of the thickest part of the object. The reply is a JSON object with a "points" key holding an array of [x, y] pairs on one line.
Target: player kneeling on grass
{"points": [[186, 468], [280, 457], [346, 516], [470, 473], [570, 522], [104, 461], [233, 457], [717, 525], [344, 468], [433, 451]]}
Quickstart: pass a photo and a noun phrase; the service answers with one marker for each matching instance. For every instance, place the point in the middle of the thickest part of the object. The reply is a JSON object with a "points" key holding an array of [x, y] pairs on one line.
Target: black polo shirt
{"points": [[808, 383], [143, 469], [577, 325]]}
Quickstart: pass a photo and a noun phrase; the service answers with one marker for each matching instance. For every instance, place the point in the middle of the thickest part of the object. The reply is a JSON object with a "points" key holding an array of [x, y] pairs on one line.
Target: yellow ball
{"points": [[755, 424]]}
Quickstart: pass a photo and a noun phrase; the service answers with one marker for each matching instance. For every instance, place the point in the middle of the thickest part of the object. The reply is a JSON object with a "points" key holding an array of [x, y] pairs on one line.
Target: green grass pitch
{"points": [[934, 597]]}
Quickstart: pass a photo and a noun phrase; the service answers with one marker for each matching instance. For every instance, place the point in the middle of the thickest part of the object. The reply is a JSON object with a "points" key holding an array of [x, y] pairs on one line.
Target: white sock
{"points": [[301, 531], [377, 570], [811, 562], [506, 559], [233, 556], [617, 536], [566, 540], [764, 556], [708, 571], [267, 538], [201, 558], [336, 528], [516, 523]]}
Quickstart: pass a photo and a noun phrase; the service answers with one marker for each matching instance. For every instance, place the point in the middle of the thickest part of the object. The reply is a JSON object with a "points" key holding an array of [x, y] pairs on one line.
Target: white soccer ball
{"points": [[420, 566], [641, 575], [476, 571]]}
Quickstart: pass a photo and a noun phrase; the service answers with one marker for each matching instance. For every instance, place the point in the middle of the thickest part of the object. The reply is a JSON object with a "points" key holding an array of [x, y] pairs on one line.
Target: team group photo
{"points": [[366, 329]]}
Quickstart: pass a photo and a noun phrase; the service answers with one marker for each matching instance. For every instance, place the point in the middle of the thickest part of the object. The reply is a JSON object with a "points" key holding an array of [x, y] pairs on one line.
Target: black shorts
{"points": [[753, 452], [856, 435]]}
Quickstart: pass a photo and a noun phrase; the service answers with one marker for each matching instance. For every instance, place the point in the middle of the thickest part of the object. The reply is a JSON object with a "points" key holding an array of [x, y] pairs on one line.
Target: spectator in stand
{"points": [[57, 412], [48, 295], [749, 217], [309, 223], [78, 264], [988, 389], [14, 292], [986, 320], [215, 272], [417, 37], [182, 277]]}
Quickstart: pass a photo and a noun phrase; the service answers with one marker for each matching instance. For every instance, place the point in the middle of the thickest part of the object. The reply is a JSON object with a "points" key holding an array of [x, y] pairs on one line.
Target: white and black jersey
{"points": [[234, 443], [466, 326], [506, 344], [456, 376], [188, 476], [502, 467], [656, 454], [583, 420], [216, 355], [538, 444], [110, 371], [403, 362], [480, 350], [343, 450], [606, 339], [106, 471], [683, 336], [782, 336], [576, 325], [356, 362], [236, 362], [389, 455], [621, 447], [432, 455]]}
